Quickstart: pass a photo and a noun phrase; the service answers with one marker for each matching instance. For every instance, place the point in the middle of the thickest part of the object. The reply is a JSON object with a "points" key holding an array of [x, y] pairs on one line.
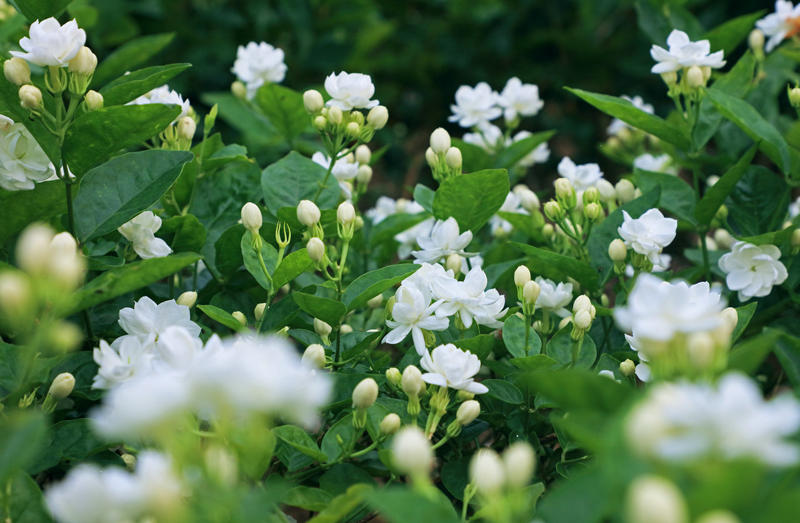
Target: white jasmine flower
{"points": [[683, 53], [582, 177], [413, 312], [513, 204], [343, 171], [424, 277], [51, 44], [165, 95], [794, 208], [22, 160], [682, 422], [608, 374], [475, 105], [648, 234], [642, 370], [384, 207], [449, 366], [488, 137], [408, 238], [147, 319], [469, 299], [783, 23], [467, 264], [258, 64], [539, 155], [140, 231], [117, 364], [518, 99], [554, 298], [656, 164], [444, 239], [350, 91], [753, 269], [617, 125]]}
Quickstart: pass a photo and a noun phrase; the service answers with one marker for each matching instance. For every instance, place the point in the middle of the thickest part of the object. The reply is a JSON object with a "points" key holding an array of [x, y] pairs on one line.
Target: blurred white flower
{"points": [[384, 207], [413, 312], [350, 91], [488, 137], [753, 269], [165, 95], [617, 125], [794, 208], [656, 164], [513, 204], [22, 160], [683, 53], [540, 154], [783, 23], [554, 298], [475, 105], [408, 238], [682, 422], [117, 364], [648, 234], [642, 370], [51, 44], [140, 231], [258, 64], [343, 171], [582, 177], [469, 299], [449, 366], [518, 99], [442, 241]]}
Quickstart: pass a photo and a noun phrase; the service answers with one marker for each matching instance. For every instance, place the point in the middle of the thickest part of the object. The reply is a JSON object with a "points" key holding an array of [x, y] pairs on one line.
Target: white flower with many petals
{"points": [[449, 366], [488, 137], [165, 95], [518, 99], [540, 154], [444, 239], [51, 44], [683, 53], [656, 164], [582, 177], [140, 231], [427, 273], [258, 64], [408, 238], [753, 269], [343, 171], [554, 298], [469, 299], [350, 91], [22, 160], [648, 234], [683, 422], [475, 105], [411, 313], [783, 23], [129, 357], [512, 204], [147, 319], [384, 207], [617, 125]]}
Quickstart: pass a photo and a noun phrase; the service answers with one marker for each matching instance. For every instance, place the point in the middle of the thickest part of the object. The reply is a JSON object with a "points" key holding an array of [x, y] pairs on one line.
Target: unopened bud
{"points": [[308, 213], [375, 302], [453, 263], [564, 189], [625, 191], [527, 198], [363, 154], [670, 78], [796, 238], [17, 71], [617, 251], [467, 412], [756, 41], [486, 472], [239, 90], [322, 329], [583, 319], [522, 276], [335, 115], [519, 461], [794, 96], [240, 317], [365, 394], [652, 499], [554, 211], [453, 158], [14, 292], [259, 311], [251, 217], [84, 62], [592, 211], [30, 97], [346, 213], [440, 141], [723, 238], [345, 329], [731, 318], [591, 195], [313, 101], [627, 367], [186, 128], [353, 129], [393, 376], [314, 355], [530, 291], [430, 157], [62, 386], [377, 117], [320, 123], [694, 77], [582, 303], [390, 424], [411, 381], [412, 453], [606, 190], [187, 299], [33, 248], [94, 100]]}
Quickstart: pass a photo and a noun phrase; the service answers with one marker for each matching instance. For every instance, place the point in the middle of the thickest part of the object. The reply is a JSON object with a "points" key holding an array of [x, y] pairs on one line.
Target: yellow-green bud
{"points": [[314, 355], [794, 96], [363, 154], [94, 100], [377, 117], [719, 516], [467, 412], [390, 424], [259, 311], [670, 78], [30, 97], [694, 77], [592, 211], [653, 499], [591, 195], [365, 394], [393, 376], [375, 302], [313, 101], [335, 115], [353, 129], [62, 386], [453, 263], [186, 128], [364, 174], [530, 291], [239, 90], [187, 299], [617, 251], [627, 368], [240, 317], [345, 329], [756, 41], [84, 62], [320, 123], [17, 71], [554, 211]]}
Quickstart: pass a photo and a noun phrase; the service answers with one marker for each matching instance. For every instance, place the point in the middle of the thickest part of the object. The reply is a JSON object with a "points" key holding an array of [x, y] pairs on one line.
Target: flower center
{"points": [[795, 26]]}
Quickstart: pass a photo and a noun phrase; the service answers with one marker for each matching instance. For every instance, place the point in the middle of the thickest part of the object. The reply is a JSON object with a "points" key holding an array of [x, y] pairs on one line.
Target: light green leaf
{"points": [[223, 317], [405, 505], [471, 198], [294, 178], [129, 56], [19, 437], [292, 266], [369, 285], [745, 314], [480, 345], [424, 196], [284, 108], [715, 196], [299, 439], [535, 362], [129, 87], [117, 191], [253, 265], [504, 391], [514, 338], [307, 498], [576, 269], [329, 311]]}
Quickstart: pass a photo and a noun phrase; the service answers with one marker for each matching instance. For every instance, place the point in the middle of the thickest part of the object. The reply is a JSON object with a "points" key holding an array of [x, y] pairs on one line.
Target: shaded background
{"points": [[418, 53]]}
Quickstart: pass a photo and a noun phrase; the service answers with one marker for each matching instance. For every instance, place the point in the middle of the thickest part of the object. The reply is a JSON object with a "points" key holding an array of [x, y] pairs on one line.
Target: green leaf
{"points": [[228, 250], [578, 390], [227, 154], [480, 345], [69, 440], [129, 56], [504, 391], [284, 108], [342, 429], [97, 135], [715, 196], [787, 349], [300, 440], [521, 222], [20, 433], [251, 262], [223, 317], [41, 9], [514, 338], [131, 86], [751, 353], [729, 35], [757, 204], [535, 362], [625, 111], [307, 498], [117, 191], [606, 232], [294, 178], [369, 285], [749, 120], [745, 314], [519, 150], [291, 267], [405, 505], [279, 315], [342, 476], [393, 225], [329, 311], [46, 200], [129, 277], [189, 233], [578, 270], [424, 196], [24, 501], [342, 505], [473, 157], [677, 196], [471, 198], [565, 350]]}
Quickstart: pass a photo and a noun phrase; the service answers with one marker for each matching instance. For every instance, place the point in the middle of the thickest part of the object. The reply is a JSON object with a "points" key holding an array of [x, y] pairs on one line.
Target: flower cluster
{"points": [[480, 104]]}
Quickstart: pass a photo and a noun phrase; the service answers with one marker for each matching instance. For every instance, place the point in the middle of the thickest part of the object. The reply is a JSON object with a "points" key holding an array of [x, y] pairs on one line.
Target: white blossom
{"points": [[449, 366], [656, 164], [683, 53], [442, 241], [683, 422], [781, 24], [131, 356], [475, 105], [51, 44], [165, 95], [408, 238], [384, 207], [22, 160], [343, 171], [512, 204], [540, 154], [469, 299], [554, 298], [258, 64], [350, 91], [411, 313], [140, 231], [518, 99], [427, 273], [753, 269], [642, 370], [147, 318], [582, 177], [617, 125], [648, 234], [487, 136]]}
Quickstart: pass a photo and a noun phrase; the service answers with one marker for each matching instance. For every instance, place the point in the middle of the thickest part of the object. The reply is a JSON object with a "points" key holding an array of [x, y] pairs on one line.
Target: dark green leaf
{"points": [[471, 198], [342, 476], [504, 391], [129, 56], [565, 350], [578, 390], [576, 269], [677, 196], [757, 204], [300, 440], [46, 200], [70, 440], [279, 315], [716, 194], [20, 433], [514, 338], [480, 345], [369, 285], [307, 498], [393, 225], [745, 314], [291, 267], [329, 311], [473, 157], [190, 235], [729, 35], [131, 86], [223, 317], [535, 362], [284, 108], [41, 9], [294, 178]]}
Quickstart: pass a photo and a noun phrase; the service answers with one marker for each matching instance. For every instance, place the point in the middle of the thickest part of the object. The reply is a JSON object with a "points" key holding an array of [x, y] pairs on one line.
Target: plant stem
{"points": [[70, 210]]}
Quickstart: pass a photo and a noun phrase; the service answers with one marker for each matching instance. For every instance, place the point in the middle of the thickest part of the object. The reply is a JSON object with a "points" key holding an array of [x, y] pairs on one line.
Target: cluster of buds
{"points": [[691, 82], [583, 314], [179, 135], [334, 123], [527, 290], [499, 482], [592, 209], [445, 161]]}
